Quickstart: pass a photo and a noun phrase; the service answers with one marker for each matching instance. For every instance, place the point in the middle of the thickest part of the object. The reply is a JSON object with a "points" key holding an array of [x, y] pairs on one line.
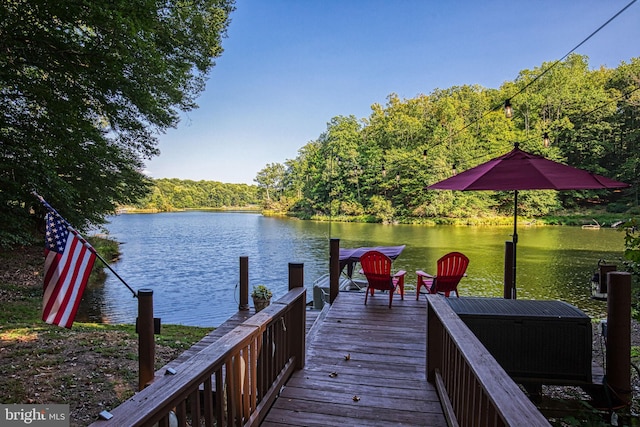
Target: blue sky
{"points": [[290, 66]]}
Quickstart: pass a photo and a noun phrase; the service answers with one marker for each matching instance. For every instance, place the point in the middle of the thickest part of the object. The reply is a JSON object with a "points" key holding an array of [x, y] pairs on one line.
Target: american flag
{"points": [[68, 263]]}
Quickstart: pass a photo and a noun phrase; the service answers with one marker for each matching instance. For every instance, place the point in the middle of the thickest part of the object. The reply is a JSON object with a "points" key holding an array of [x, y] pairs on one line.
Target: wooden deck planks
{"points": [[365, 367]]}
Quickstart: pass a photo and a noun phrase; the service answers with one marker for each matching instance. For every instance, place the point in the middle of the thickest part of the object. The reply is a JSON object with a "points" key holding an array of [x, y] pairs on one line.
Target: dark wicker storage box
{"points": [[547, 342]]}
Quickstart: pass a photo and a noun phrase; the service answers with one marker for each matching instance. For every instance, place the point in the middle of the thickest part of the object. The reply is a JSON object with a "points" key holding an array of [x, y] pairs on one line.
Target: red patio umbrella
{"points": [[519, 170]]}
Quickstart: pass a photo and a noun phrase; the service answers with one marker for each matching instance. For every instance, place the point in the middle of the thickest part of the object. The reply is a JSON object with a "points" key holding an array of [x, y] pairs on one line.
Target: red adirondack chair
{"points": [[451, 268], [376, 266]]}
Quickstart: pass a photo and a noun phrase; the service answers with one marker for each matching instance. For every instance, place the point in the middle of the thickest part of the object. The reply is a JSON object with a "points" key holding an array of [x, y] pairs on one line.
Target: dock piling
{"points": [[244, 283], [619, 334], [146, 342]]}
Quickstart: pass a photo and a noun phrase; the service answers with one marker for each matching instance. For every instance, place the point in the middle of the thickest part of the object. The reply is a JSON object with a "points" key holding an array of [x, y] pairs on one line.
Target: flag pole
{"points": [[48, 206], [135, 294]]}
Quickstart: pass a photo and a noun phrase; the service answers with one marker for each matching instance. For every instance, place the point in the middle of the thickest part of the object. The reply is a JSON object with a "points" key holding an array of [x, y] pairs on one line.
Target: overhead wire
{"points": [[604, 104], [545, 71], [572, 50]]}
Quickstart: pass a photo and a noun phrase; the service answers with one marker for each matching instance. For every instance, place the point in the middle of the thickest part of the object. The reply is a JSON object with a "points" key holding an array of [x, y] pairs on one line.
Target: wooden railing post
{"points": [[619, 334], [298, 333], [296, 275], [334, 269], [244, 283], [603, 282], [146, 342]]}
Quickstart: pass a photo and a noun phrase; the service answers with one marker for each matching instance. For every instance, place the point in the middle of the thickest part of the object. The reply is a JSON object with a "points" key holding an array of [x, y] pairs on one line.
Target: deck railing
{"points": [[232, 382], [473, 387]]}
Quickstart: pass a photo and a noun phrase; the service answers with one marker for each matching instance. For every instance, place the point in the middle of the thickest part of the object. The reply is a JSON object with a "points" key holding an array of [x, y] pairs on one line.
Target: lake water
{"points": [[191, 260]]}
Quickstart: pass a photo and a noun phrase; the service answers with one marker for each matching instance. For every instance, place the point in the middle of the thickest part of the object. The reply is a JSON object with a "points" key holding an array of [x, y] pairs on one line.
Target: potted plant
{"points": [[261, 297]]}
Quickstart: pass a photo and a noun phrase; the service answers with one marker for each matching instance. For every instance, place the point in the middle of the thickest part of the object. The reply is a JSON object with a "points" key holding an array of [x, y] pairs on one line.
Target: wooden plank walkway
{"points": [[382, 383]]}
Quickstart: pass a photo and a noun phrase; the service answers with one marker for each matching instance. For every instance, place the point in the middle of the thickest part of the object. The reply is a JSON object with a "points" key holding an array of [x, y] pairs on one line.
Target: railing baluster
{"points": [[464, 383], [477, 402], [252, 375], [181, 413], [220, 398], [208, 402], [246, 408], [195, 407], [230, 392]]}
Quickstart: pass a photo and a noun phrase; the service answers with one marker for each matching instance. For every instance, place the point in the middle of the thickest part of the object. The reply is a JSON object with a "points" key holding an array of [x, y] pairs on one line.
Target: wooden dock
{"points": [[365, 366]]}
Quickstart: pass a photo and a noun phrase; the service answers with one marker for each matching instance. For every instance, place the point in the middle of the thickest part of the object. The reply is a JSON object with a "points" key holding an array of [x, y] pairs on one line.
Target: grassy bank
{"points": [[91, 367], [605, 219]]}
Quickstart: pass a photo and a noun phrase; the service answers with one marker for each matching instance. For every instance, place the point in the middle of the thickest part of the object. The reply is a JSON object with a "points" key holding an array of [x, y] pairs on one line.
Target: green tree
{"points": [[85, 89], [381, 208], [625, 83], [271, 179]]}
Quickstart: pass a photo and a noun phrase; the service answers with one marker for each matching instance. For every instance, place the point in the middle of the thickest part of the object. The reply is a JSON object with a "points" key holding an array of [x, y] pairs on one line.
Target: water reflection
{"points": [[191, 260]]}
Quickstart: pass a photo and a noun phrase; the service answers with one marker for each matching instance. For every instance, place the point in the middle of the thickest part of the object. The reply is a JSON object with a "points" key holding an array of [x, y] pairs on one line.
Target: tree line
{"points": [[169, 194], [376, 168]]}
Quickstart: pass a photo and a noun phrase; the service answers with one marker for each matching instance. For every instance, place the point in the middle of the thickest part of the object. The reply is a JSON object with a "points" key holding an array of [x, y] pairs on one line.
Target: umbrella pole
{"points": [[515, 241]]}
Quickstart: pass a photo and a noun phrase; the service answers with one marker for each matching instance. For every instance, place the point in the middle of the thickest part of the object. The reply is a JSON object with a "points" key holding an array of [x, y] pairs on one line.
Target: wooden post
{"points": [[244, 283], [604, 269], [298, 334], [619, 334], [434, 342], [508, 270], [296, 275], [334, 269], [146, 342]]}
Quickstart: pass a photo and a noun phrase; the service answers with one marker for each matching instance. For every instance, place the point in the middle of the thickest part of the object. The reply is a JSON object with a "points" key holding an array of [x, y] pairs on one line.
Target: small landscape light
{"points": [[106, 415]]}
